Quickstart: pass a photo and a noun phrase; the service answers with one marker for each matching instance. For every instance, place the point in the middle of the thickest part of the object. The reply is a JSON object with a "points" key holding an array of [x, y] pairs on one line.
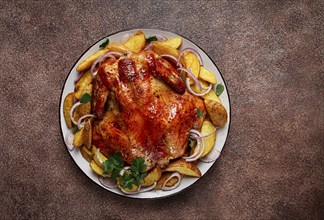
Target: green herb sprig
{"points": [[130, 177], [152, 38], [219, 89], [103, 44]]}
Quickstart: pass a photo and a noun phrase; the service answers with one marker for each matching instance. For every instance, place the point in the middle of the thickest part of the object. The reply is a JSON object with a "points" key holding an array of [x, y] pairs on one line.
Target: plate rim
{"points": [[151, 30]]}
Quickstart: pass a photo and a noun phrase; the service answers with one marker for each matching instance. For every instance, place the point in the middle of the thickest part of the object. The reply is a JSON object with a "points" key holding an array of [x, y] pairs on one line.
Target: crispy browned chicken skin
{"points": [[143, 109]]}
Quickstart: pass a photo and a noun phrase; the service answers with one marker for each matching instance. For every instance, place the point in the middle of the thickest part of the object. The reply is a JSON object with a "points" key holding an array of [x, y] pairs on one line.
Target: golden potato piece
{"points": [[83, 136], [191, 61], [212, 96], [163, 178], [160, 48], [86, 153], [203, 83], [67, 105], [134, 187], [152, 176], [85, 108], [206, 75], [137, 42], [216, 112], [117, 47], [86, 64], [208, 128], [102, 157], [97, 169], [174, 42], [183, 167], [80, 85]]}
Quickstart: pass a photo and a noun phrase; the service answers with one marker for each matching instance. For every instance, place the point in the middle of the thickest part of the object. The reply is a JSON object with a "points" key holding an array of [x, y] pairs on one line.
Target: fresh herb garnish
{"points": [[199, 112], [152, 38], [219, 89], [74, 130], [103, 44], [130, 177], [135, 175], [191, 143], [113, 165], [85, 98]]}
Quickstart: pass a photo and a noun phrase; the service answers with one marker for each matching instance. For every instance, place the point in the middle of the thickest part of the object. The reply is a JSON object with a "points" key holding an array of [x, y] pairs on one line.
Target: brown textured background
{"points": [[270, 53]]}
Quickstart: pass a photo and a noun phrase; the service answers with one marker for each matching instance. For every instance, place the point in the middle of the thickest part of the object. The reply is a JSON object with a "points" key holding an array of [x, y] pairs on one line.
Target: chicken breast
{"points": [[143, 109]]}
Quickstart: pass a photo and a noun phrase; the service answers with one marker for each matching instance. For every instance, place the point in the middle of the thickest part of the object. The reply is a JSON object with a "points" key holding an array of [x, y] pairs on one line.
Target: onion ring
{"points": [[79, 124], [168, 188], [193, 92], [194, 51]]}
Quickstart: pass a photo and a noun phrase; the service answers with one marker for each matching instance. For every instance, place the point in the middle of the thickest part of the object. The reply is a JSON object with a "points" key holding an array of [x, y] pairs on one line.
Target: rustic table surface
{"points": [[270, 54]]}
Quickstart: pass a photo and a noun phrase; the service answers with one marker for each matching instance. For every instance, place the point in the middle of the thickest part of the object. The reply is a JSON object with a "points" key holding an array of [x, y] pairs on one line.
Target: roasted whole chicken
{"points": [[143, 109]]}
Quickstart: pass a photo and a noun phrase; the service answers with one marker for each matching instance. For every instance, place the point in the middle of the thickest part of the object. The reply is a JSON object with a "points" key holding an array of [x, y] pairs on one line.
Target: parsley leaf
{"points": [[85, 98], [113, 165], [191, 143], [103, 44], [219, 89], [134, 175], [152, 38], [199, 112], [74, 130]]}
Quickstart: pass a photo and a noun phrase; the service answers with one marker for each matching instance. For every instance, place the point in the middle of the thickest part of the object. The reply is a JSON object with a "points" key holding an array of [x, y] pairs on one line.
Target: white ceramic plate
{"points": [[221, 133]]}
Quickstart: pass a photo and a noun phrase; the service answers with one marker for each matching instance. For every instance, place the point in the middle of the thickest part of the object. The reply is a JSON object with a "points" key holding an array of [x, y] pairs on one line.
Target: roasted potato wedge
{"points": [[183, 167], [206, 75], [191, 62], [137, 42], [134, 187], [85, 80], [152, 176], [117, 47], [97, 169], [86, 153], [86, 64], [195, 87], [163, 178], [102, 157], [67, 105], [160, 48], [212, 96], [216, 112], [206, 129], [174, 42], [83, 136], [85, 108]]}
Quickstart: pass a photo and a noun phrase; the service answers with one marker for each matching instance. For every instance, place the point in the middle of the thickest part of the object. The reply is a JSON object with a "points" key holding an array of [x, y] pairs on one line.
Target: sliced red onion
{"points": [[148, 46], [211, 156], [98, 156], [192, 76], [168, 188], [102, 58], [194, 52], [149, 188], [198, 136], [124, 169], [69, 137], [204, 136], [197, 150], [80, 124], [161, 38], [131, 193], [108, 182], [71, 112], [173, 58], [193, 92], [200, 150]]}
